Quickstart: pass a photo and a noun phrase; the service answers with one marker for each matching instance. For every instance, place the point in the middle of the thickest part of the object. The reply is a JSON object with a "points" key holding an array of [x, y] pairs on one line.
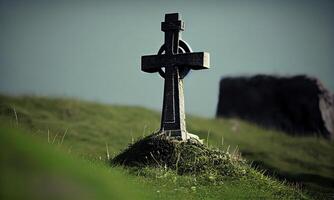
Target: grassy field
{"points": [[71, 139]]}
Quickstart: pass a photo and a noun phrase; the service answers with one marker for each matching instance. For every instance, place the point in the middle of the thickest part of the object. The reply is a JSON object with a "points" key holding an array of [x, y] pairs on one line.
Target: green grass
{"points": [[32, 169], [81, 132]]}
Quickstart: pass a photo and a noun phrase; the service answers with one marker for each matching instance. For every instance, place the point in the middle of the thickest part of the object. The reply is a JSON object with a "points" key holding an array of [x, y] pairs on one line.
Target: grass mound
{"points": [[186, 157]]}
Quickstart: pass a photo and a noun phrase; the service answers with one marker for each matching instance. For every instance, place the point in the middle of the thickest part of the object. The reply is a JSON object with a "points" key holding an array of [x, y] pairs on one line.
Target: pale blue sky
{"points": [[92, 49]]}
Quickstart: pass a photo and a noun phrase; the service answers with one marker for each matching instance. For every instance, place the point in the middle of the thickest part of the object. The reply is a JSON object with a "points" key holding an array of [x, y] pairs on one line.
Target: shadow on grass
{"points": [[319, 187]]}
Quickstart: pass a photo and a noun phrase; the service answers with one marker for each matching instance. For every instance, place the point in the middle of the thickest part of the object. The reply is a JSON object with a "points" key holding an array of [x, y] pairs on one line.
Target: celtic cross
{"points": [[177, 59]]}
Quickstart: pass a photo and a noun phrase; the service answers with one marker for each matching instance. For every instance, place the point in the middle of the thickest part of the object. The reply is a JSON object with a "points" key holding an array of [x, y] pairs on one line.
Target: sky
{"points": [[92, 49]]}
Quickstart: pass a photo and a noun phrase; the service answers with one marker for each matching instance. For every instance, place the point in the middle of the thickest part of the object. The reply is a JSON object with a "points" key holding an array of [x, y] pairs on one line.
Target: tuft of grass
{"points": [[163, 161], [185, 157]]}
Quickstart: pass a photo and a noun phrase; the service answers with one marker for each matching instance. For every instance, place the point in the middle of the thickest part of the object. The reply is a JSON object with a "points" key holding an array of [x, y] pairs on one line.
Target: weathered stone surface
{"points": [[299, 105]]}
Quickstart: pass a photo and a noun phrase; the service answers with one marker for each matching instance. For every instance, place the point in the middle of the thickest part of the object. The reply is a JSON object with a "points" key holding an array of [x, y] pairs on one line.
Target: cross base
{"points": [[180, 135]]}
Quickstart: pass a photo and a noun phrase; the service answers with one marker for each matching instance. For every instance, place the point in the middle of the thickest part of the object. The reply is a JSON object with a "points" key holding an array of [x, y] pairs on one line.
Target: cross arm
{"points": [[195, 61]]}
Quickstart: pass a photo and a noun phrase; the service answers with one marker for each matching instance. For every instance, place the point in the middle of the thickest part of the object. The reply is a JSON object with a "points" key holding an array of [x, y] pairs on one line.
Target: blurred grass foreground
{"points": [[60, 149]]}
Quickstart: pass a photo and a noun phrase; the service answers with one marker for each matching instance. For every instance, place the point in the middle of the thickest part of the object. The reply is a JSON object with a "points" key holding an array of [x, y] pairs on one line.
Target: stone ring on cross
{"points": [[183, 48]]}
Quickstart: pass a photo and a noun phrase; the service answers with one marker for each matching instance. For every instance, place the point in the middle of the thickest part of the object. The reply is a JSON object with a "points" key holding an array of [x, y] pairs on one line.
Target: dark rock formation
{"points": [[298, 105]]}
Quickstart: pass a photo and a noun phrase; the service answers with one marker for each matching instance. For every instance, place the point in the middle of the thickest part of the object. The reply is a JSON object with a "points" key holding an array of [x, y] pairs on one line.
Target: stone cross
{"points": [[176, 58]]}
